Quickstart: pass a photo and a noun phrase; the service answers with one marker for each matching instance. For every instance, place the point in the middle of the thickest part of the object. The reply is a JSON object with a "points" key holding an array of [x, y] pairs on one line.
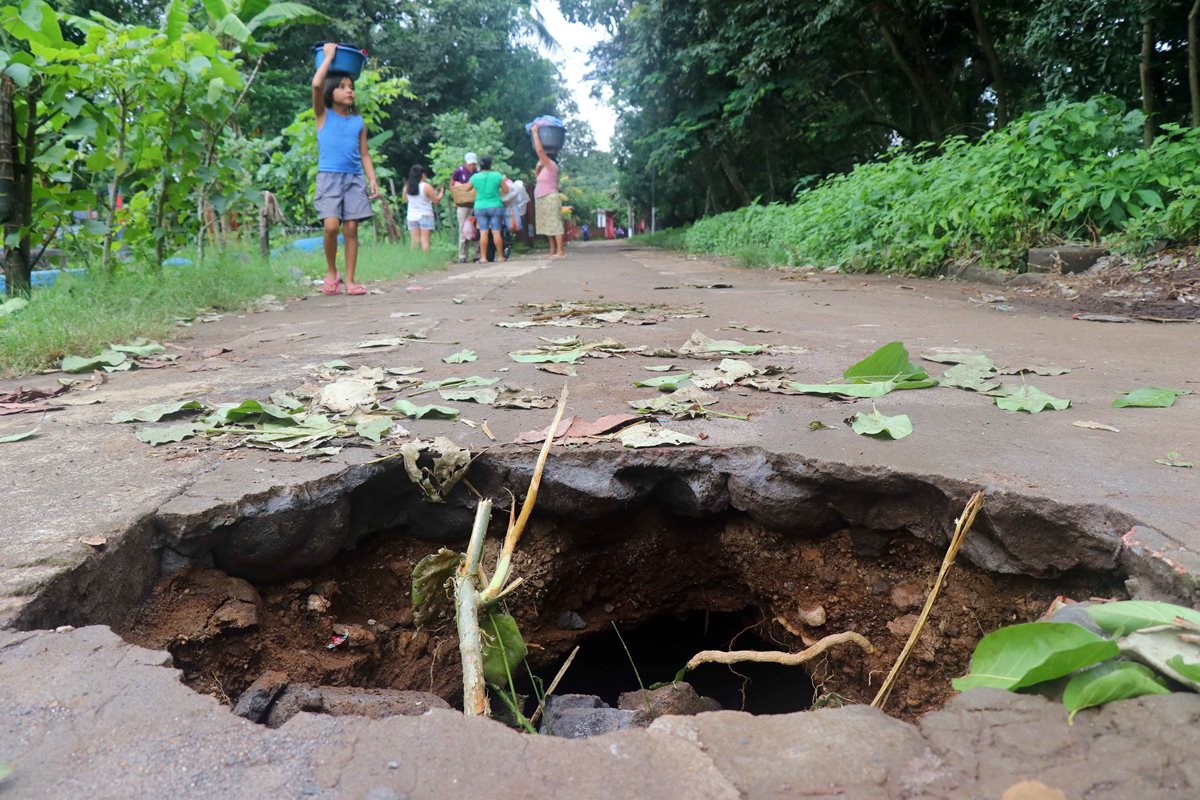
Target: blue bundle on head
{"points": [[552, 133]]}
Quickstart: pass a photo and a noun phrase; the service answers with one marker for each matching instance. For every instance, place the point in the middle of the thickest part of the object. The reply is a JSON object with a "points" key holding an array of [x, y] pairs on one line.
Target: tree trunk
{"points": [[730, 171], [933, 118], [111, 220], [989, 53], [1148, 129], [17, 267], [160, 213], [1194, 62]]}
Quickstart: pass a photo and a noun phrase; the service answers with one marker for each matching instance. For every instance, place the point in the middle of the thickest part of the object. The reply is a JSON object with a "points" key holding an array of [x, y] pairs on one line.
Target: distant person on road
{"points": [[489, 207], [462, 178], [547, 204], [421, 197], [342, 198], [587, 232]]}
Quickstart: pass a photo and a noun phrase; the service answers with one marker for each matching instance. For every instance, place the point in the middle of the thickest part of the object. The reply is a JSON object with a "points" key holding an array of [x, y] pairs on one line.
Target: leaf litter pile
{"points": [[364, 406]]}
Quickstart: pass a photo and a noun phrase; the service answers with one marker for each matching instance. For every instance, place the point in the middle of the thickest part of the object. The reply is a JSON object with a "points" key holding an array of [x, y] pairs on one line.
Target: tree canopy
{"points": [[721, 104]]}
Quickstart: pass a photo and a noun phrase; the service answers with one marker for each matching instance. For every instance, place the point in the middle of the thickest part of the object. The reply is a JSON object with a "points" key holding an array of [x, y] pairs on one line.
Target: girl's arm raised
{"points": [[368, 164], [318, 83], [433, 194]]}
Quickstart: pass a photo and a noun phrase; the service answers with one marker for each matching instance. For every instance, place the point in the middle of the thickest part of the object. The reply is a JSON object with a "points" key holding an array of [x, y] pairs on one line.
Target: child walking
{"points": [[342, 199], [422, 197]]}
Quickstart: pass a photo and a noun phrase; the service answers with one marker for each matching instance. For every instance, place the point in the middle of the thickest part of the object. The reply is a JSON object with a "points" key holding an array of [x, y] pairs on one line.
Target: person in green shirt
{"points": [[489, 208]]}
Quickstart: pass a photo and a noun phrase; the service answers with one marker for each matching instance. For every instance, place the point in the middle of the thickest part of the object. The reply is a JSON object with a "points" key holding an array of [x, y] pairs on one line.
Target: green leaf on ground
{"points": [[1174, 459], [845, 389], [409, 409], [108, 358], [138, 347], [1025, 655], [971, 377], [665, 383], [430, 595], [888, 363], [373, 428], [484, 395], [876, 424], [701, 344], [1186, 670], [975, 359], [548, 356], [16, 437], [169, 433], [503, 647], [1148, 397], [461, 383], [461, 357], [686, 402], [653, 436], [1104, 683], [337, 363], [153, 413], [245, 410], [390, 341], [1127, 616], [1031, 399], [1043, 371]]}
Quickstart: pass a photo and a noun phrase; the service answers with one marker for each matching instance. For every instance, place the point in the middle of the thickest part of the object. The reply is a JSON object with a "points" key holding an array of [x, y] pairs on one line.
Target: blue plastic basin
{"points": [[346, 61]]}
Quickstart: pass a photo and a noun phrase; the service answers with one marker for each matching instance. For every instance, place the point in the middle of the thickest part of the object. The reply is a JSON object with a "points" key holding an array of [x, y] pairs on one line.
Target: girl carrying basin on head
{"points": [[342, 199]]}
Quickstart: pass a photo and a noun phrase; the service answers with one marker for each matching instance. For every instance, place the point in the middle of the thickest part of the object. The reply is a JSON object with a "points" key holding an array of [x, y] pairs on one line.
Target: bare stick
{"points": [[515, 529], [774, 657], [553, 685], [466, 604], [962, 527]]}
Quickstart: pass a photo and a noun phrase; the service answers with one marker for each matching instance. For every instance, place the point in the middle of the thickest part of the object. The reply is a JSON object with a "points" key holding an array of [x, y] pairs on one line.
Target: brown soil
{"points": [[632, 569], [1163, 287]]}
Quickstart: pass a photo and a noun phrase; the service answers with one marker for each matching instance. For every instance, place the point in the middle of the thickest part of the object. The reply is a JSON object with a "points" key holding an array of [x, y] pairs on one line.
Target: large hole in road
{"points": [[671, 585]]}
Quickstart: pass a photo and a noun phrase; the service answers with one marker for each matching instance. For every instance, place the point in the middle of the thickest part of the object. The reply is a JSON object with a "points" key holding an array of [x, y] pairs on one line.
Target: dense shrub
{"points": [[1072, 171]]}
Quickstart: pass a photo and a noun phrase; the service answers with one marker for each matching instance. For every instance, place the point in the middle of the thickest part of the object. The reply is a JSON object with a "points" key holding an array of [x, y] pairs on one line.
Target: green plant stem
{"points": [[636, 674], [466, 604]]}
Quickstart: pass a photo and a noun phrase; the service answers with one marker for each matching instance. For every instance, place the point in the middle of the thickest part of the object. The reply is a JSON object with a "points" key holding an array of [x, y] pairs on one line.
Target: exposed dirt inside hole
{"points": [[634, 568]]}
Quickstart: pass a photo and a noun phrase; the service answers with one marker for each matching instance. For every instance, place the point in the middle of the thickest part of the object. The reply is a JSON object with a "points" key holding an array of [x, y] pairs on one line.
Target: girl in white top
{"points": [[421, 197]]}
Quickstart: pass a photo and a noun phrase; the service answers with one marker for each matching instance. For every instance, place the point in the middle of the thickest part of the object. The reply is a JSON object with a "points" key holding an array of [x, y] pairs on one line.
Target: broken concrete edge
{"points": [[86, 719], [298, 526]]}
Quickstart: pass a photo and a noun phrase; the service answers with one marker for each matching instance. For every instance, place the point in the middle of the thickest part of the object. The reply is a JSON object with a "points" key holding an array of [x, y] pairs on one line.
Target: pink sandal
{"points": [[330, 286], [355, 288]]}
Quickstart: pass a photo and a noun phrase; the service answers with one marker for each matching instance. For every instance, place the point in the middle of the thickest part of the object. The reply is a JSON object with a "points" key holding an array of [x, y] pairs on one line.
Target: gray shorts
{"points": [[342, 195]]}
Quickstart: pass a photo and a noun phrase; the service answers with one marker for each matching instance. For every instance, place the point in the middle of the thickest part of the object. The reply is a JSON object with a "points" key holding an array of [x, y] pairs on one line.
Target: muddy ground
{"points": [[762, 585]]}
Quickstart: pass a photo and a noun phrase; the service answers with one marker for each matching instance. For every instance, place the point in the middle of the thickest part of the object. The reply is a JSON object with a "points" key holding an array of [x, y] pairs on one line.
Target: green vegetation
{"points": [[1143, 647], [82, 315], [1074, 170]]}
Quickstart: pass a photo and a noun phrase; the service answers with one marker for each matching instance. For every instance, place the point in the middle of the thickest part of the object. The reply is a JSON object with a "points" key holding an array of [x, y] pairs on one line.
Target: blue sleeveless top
{"points": [[337, 144]]}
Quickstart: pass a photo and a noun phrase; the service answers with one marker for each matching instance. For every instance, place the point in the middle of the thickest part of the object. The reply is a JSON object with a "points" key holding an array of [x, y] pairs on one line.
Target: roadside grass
{"points": [[750, 255], [81, 315], [669, 239]]}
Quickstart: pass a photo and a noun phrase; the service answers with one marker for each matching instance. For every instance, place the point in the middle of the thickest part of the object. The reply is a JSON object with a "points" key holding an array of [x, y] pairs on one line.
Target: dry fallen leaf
{"points": [[94, 541], [1095, 426]]}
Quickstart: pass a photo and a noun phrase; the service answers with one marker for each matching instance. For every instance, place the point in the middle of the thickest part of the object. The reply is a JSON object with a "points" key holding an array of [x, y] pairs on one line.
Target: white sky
{"points": [[576, 40]]}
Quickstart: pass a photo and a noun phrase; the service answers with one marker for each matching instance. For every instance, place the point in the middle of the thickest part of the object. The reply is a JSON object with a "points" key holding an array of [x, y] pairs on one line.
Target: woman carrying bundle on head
{"points": [[547, 204]]}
